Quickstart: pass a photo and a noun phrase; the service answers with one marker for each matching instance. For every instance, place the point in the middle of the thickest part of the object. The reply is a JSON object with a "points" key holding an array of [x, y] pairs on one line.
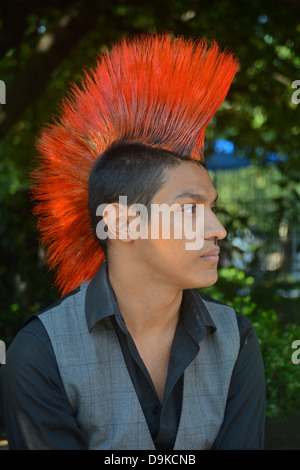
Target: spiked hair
{"points": [[154, 89]]}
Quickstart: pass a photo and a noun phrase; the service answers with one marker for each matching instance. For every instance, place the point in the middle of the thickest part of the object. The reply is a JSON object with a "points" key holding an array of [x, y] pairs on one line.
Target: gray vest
{"points": [[100, 390]]}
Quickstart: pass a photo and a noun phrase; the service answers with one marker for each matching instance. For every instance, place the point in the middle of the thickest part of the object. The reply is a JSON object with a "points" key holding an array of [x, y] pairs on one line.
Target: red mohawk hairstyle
{"points": [[155, 89]]}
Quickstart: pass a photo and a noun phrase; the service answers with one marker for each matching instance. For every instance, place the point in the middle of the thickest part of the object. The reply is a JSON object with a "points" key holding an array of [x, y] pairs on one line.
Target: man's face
{"points": [[167, 259]]}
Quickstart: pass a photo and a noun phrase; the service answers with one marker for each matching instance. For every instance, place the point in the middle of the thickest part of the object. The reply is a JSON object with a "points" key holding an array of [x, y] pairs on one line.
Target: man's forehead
{"points": [[188, 180]]}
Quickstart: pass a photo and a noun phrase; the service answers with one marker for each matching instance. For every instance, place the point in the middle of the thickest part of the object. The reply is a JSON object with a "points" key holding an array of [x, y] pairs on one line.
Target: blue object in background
{"points": [[225, 157]]}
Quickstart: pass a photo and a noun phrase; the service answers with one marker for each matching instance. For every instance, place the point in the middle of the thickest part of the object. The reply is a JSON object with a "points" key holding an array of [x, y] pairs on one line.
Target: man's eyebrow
{"points": [[197, 197]]}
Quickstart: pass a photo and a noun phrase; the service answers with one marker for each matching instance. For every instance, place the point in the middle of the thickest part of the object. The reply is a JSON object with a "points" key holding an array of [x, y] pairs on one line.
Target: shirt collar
{"points": [[101, 302]]}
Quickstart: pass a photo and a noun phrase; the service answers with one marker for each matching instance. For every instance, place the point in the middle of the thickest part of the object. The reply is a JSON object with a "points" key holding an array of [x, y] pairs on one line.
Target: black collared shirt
{"points": [[31, 373], [162, 418]]}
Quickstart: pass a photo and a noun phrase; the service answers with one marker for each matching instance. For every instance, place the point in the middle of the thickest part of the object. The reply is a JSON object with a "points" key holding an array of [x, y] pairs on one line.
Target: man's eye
{"points": [[189, 208]]}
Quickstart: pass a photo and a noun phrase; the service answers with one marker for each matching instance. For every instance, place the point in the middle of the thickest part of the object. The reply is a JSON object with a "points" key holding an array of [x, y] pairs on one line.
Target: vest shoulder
{"points": [[210, 302], [63, 305]]}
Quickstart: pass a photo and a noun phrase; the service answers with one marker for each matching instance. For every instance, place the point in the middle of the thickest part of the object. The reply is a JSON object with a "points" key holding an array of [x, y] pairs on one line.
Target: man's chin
{"points": [[199, 283], [210, 281]]}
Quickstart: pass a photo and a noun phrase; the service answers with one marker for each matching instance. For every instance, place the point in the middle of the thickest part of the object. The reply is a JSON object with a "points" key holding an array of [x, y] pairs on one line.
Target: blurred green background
{"points": [[252, 149]]}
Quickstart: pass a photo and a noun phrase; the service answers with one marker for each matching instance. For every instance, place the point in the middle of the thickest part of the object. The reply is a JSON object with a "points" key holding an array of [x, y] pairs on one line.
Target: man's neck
{"points": [[146, 305], [151, 312]]}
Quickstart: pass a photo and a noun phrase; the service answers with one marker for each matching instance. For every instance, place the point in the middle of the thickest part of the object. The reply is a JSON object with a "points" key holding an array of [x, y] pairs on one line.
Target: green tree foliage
{"points": [[283, 389]]}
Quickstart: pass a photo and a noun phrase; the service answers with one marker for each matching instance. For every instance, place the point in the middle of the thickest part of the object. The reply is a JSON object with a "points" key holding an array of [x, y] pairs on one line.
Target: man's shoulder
{"points": [[217, 305], [71, 300], [210, 302]]}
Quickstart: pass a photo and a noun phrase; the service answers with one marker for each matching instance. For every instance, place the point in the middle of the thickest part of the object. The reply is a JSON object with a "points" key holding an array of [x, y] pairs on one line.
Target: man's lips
{"points": [[212, 254]]}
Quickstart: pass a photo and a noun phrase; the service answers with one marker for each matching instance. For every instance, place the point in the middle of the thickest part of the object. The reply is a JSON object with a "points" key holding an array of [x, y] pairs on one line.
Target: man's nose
{"points": [[213, 227]]}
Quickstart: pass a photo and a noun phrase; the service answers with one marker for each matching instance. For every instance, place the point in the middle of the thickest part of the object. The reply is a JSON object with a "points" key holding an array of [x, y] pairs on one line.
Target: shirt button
{"points": [[155, 410]]}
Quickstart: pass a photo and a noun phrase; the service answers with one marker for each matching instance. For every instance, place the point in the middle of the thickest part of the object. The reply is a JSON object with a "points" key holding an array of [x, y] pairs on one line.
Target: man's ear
{"points": [[115, 216]]}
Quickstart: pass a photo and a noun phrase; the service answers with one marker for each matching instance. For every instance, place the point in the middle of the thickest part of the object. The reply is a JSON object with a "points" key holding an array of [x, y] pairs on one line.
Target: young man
{"points": [[134, 356]]}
